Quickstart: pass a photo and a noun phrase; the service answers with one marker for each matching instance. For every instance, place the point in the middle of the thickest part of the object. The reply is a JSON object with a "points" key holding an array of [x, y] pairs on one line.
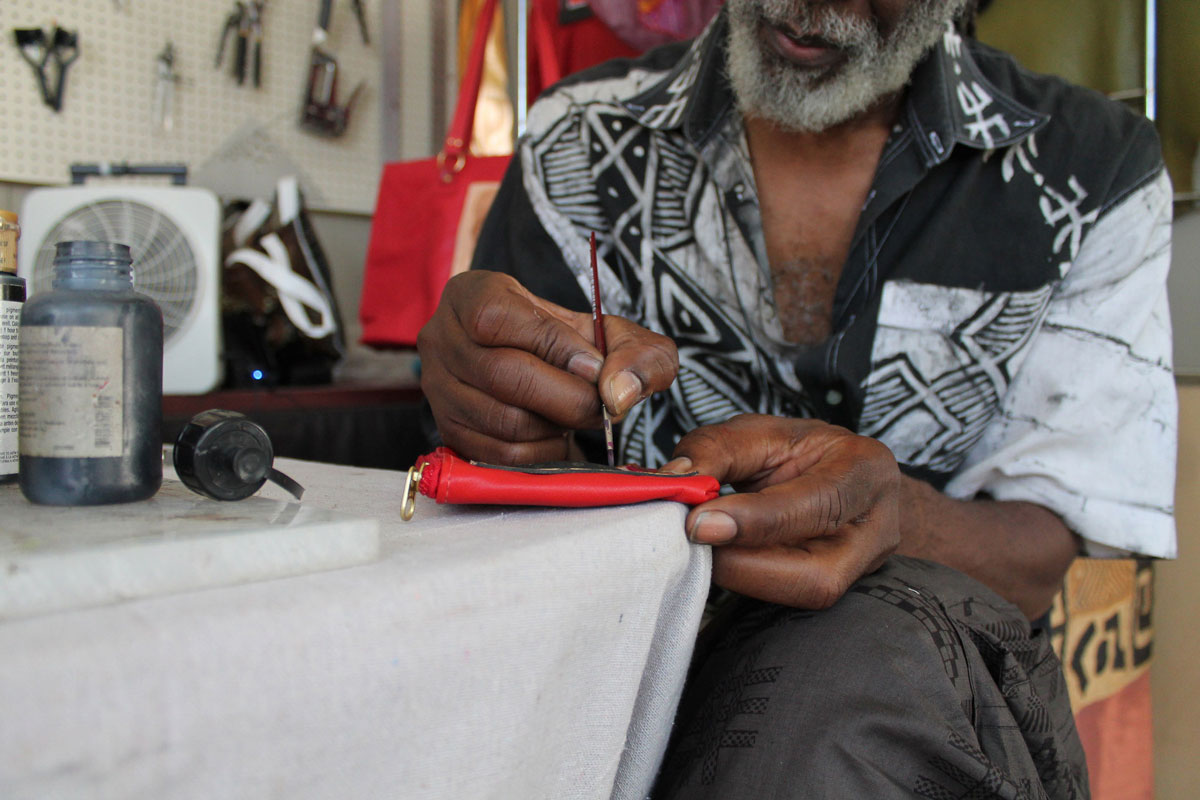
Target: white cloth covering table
{"points": [[488, 653]]}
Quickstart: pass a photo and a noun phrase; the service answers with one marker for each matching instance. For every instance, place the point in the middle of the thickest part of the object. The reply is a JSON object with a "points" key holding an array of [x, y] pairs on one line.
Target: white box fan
{"points": [[174, 235]]}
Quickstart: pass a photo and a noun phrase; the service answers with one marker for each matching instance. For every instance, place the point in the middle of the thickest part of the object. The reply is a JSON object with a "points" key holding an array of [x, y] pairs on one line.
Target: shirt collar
{"points": [[695, 95], [950, 100]]}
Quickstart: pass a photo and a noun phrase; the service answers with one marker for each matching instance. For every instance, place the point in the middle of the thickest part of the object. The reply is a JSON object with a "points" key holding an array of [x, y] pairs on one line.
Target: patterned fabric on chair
{"points": [[1103, 633]]}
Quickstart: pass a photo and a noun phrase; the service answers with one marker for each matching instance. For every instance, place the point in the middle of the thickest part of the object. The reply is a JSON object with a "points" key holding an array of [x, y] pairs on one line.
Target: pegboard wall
{"points": [[108, 115]]}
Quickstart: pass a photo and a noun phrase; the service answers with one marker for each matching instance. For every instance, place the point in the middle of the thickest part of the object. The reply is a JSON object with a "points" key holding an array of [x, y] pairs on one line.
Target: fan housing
{"points": [[174, 236]]}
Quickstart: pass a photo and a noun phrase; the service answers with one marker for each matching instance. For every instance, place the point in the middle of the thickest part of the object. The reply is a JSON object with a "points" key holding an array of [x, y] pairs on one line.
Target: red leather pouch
{"points": [[447, 478]]}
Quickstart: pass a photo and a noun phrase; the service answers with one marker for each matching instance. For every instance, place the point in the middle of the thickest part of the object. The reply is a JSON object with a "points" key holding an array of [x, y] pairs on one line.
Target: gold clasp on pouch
{"points": [[412, 483]]}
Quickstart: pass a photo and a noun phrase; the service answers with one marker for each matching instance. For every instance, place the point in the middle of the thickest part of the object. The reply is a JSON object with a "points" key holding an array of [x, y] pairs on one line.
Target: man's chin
{"points": [[810, 124], [800, 101]]}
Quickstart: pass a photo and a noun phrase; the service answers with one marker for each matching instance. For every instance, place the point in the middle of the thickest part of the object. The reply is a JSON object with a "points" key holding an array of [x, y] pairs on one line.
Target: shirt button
{"points": [[833, 397]]}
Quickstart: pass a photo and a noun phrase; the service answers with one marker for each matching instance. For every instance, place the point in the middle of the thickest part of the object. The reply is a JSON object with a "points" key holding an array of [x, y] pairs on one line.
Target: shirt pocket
{"points": [[941, 363]]}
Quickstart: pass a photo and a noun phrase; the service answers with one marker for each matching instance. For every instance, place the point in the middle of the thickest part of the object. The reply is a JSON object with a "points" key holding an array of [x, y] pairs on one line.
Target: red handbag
{"points": [[427, 218], [447, 478]]}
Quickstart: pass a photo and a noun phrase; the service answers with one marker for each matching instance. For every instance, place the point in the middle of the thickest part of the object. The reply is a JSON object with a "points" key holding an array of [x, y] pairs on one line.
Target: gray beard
{"points": [[769, 87]]}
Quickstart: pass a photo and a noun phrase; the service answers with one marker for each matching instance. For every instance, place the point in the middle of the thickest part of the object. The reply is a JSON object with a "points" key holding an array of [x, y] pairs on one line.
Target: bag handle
{"points": [[295, 292], [549, 71], [453, 156]]}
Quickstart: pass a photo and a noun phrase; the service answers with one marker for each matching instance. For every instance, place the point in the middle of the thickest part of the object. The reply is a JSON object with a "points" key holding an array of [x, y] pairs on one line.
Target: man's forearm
{"points": [[1020, 550]]}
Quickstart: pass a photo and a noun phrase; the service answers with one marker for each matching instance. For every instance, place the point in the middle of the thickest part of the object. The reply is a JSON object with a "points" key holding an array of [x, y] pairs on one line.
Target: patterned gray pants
{"points": [[919, 683]]}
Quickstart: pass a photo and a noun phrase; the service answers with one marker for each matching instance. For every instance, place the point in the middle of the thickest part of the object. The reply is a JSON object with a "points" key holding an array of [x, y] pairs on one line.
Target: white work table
{"points": [[482, 653]]}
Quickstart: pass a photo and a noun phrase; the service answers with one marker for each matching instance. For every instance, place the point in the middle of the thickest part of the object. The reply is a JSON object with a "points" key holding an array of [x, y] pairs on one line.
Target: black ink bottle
{"points": [[91, 382], [12, 295]]}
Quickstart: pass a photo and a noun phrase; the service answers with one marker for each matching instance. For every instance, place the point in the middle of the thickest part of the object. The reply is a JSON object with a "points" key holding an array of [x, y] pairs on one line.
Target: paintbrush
{"points": [[598, 329]]}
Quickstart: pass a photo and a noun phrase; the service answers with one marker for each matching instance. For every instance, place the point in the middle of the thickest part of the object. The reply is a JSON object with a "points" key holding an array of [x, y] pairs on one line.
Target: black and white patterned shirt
{"points": [[1000, 323]]}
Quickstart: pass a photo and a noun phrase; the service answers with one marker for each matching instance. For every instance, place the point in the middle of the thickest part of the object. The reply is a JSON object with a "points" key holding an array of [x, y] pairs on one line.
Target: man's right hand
{"points": [[509, 376]]}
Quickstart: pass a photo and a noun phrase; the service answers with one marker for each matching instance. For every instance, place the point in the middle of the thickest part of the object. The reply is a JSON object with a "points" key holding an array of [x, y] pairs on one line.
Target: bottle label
{"points": [[8, 247], [10, 322], [72, 392]]}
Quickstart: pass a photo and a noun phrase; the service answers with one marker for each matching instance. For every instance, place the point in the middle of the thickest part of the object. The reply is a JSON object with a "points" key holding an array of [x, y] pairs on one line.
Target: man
{"points": [[827, 216]]}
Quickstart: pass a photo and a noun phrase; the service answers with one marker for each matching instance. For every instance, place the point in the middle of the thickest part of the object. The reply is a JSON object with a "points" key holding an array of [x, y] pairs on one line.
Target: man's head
{"points": [[807, 65]]}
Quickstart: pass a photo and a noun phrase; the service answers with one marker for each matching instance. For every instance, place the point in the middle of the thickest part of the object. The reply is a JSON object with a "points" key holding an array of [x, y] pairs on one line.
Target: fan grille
{"points": [[164, 265]]}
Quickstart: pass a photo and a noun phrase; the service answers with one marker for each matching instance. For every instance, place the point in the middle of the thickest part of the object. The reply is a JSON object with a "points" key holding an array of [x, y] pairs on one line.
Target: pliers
{"points": [[245, 23], [232, 23], [250, 44]]}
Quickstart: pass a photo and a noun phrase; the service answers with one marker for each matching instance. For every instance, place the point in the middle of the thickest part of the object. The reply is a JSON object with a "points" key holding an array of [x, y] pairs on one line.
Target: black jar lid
{"points": [[224, 455]]}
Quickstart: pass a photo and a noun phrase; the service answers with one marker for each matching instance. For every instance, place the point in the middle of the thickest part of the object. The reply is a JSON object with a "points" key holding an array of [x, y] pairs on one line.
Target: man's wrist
{"points": [[919, 504]]}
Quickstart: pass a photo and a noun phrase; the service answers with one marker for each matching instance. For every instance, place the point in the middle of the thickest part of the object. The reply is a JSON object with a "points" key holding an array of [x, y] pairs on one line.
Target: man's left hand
{"points": [[817, 506]]}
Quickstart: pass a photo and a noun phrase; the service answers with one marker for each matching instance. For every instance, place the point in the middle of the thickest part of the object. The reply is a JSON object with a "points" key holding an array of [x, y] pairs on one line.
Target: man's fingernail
{"points": [[677, 465], [625, 388], [585, 365], [713, 527]]}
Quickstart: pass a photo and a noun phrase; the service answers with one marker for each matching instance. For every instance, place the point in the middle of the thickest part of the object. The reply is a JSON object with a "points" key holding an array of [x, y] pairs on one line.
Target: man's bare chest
{"points": [[811, 189], [807, 250]]}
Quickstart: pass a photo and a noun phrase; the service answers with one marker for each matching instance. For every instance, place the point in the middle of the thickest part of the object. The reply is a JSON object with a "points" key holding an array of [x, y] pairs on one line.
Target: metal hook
{"points": [[412, 483]]}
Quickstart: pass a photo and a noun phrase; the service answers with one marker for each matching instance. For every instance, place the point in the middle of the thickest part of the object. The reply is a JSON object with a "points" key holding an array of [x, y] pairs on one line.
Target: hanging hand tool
{"points": [[32, 44], [164, 89], [232, 22], [65, 49], [255, 13], [244, 25], [38, 49], [325, 13], [321, 113], [361, 14], [242, 47]]}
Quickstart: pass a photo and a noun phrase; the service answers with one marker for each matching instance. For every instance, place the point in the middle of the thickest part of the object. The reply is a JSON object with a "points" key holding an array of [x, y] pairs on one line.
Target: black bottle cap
{"points": [[225, 456]]}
